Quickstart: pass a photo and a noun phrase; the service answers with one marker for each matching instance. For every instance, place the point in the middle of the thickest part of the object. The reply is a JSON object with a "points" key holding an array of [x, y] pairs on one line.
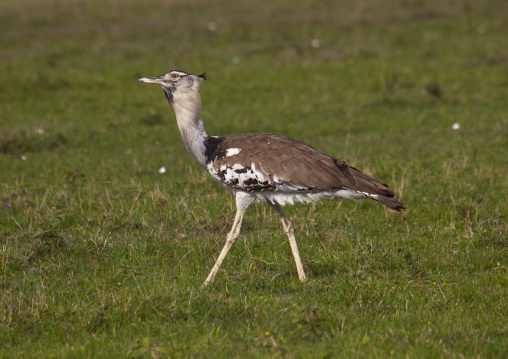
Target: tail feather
{"points": [[389, 202], [374, 189]]}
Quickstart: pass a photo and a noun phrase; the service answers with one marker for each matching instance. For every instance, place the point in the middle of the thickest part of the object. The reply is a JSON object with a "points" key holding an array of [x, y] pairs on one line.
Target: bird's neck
{"points": [[187, 107]]}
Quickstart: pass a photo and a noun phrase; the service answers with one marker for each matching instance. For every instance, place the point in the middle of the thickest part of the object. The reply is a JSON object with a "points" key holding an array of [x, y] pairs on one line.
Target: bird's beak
{"points": [[150, 80]]}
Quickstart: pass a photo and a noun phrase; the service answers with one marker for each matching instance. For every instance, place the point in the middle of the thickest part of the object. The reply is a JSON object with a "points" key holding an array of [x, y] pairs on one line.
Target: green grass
{"points": [[102, 256]]}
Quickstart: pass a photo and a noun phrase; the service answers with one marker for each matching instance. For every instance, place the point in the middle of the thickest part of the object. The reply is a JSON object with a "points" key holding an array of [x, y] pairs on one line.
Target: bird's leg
{"points": [[230, 240], [287, 225]]}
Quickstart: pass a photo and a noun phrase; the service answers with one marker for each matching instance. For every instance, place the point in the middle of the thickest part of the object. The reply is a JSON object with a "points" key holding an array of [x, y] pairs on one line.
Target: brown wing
{"points": [[289, 165]]}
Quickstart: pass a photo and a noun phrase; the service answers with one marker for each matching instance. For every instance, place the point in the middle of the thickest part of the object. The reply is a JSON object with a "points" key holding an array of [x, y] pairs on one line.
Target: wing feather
{"points": [[291, 164]]}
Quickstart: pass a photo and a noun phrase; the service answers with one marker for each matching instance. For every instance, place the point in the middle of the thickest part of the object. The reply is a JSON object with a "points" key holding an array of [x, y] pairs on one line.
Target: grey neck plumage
{"points": [[187, 107]]}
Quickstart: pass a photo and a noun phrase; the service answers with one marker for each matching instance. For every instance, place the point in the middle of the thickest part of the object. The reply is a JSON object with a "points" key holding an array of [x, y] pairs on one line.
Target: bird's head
{"points": [[176, 81]]}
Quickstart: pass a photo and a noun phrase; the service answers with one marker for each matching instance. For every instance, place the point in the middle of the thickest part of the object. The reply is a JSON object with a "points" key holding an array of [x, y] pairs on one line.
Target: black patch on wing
{"points": [[211, 144], [243, 170]]}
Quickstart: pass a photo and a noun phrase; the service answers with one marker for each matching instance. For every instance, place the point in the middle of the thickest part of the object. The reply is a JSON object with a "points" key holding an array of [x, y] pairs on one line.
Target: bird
{"points": [[263, 167]]}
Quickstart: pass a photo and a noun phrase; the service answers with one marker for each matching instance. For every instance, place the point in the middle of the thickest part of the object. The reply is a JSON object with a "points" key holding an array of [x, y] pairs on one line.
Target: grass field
{"points": [[102, 256]]}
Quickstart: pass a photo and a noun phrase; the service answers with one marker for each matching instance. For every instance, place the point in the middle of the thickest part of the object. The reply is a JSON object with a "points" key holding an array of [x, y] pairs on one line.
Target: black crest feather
{"points": [[203, 76]]}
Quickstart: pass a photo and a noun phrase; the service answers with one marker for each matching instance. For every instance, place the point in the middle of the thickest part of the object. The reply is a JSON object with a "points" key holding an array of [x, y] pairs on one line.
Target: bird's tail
{"points": [[389, 202], [372, 188]]}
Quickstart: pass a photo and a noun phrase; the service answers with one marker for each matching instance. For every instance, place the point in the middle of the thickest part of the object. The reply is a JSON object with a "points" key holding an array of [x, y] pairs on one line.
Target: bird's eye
{"points": [[174, 76]]}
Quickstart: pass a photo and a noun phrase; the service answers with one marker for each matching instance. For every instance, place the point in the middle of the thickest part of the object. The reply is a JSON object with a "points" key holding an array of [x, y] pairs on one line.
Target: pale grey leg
{"points": [[243, 201], [230, 240], [288, 229]]}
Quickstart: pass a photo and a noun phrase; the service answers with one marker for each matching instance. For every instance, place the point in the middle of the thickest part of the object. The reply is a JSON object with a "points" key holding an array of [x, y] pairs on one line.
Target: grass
{"points": [[102, 256]]}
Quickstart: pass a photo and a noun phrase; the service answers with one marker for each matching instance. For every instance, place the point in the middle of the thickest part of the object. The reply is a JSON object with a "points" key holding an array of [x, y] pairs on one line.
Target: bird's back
{"points": [[261, 162]]}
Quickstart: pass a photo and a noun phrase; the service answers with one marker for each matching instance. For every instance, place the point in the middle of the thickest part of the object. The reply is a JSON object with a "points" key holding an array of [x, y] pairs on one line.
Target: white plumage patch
{"points": [[232, 151], [241, 177], [259, 175], [284, 198], [348, 194], [231, 176]]}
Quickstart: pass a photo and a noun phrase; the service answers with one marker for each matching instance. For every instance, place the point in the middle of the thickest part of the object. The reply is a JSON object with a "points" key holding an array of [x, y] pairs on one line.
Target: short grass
{"points": [[102, 256]]}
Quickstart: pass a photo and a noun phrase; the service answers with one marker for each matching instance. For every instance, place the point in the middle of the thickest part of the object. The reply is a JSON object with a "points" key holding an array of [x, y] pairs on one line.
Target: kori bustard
{"points": [[263, 167]]}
